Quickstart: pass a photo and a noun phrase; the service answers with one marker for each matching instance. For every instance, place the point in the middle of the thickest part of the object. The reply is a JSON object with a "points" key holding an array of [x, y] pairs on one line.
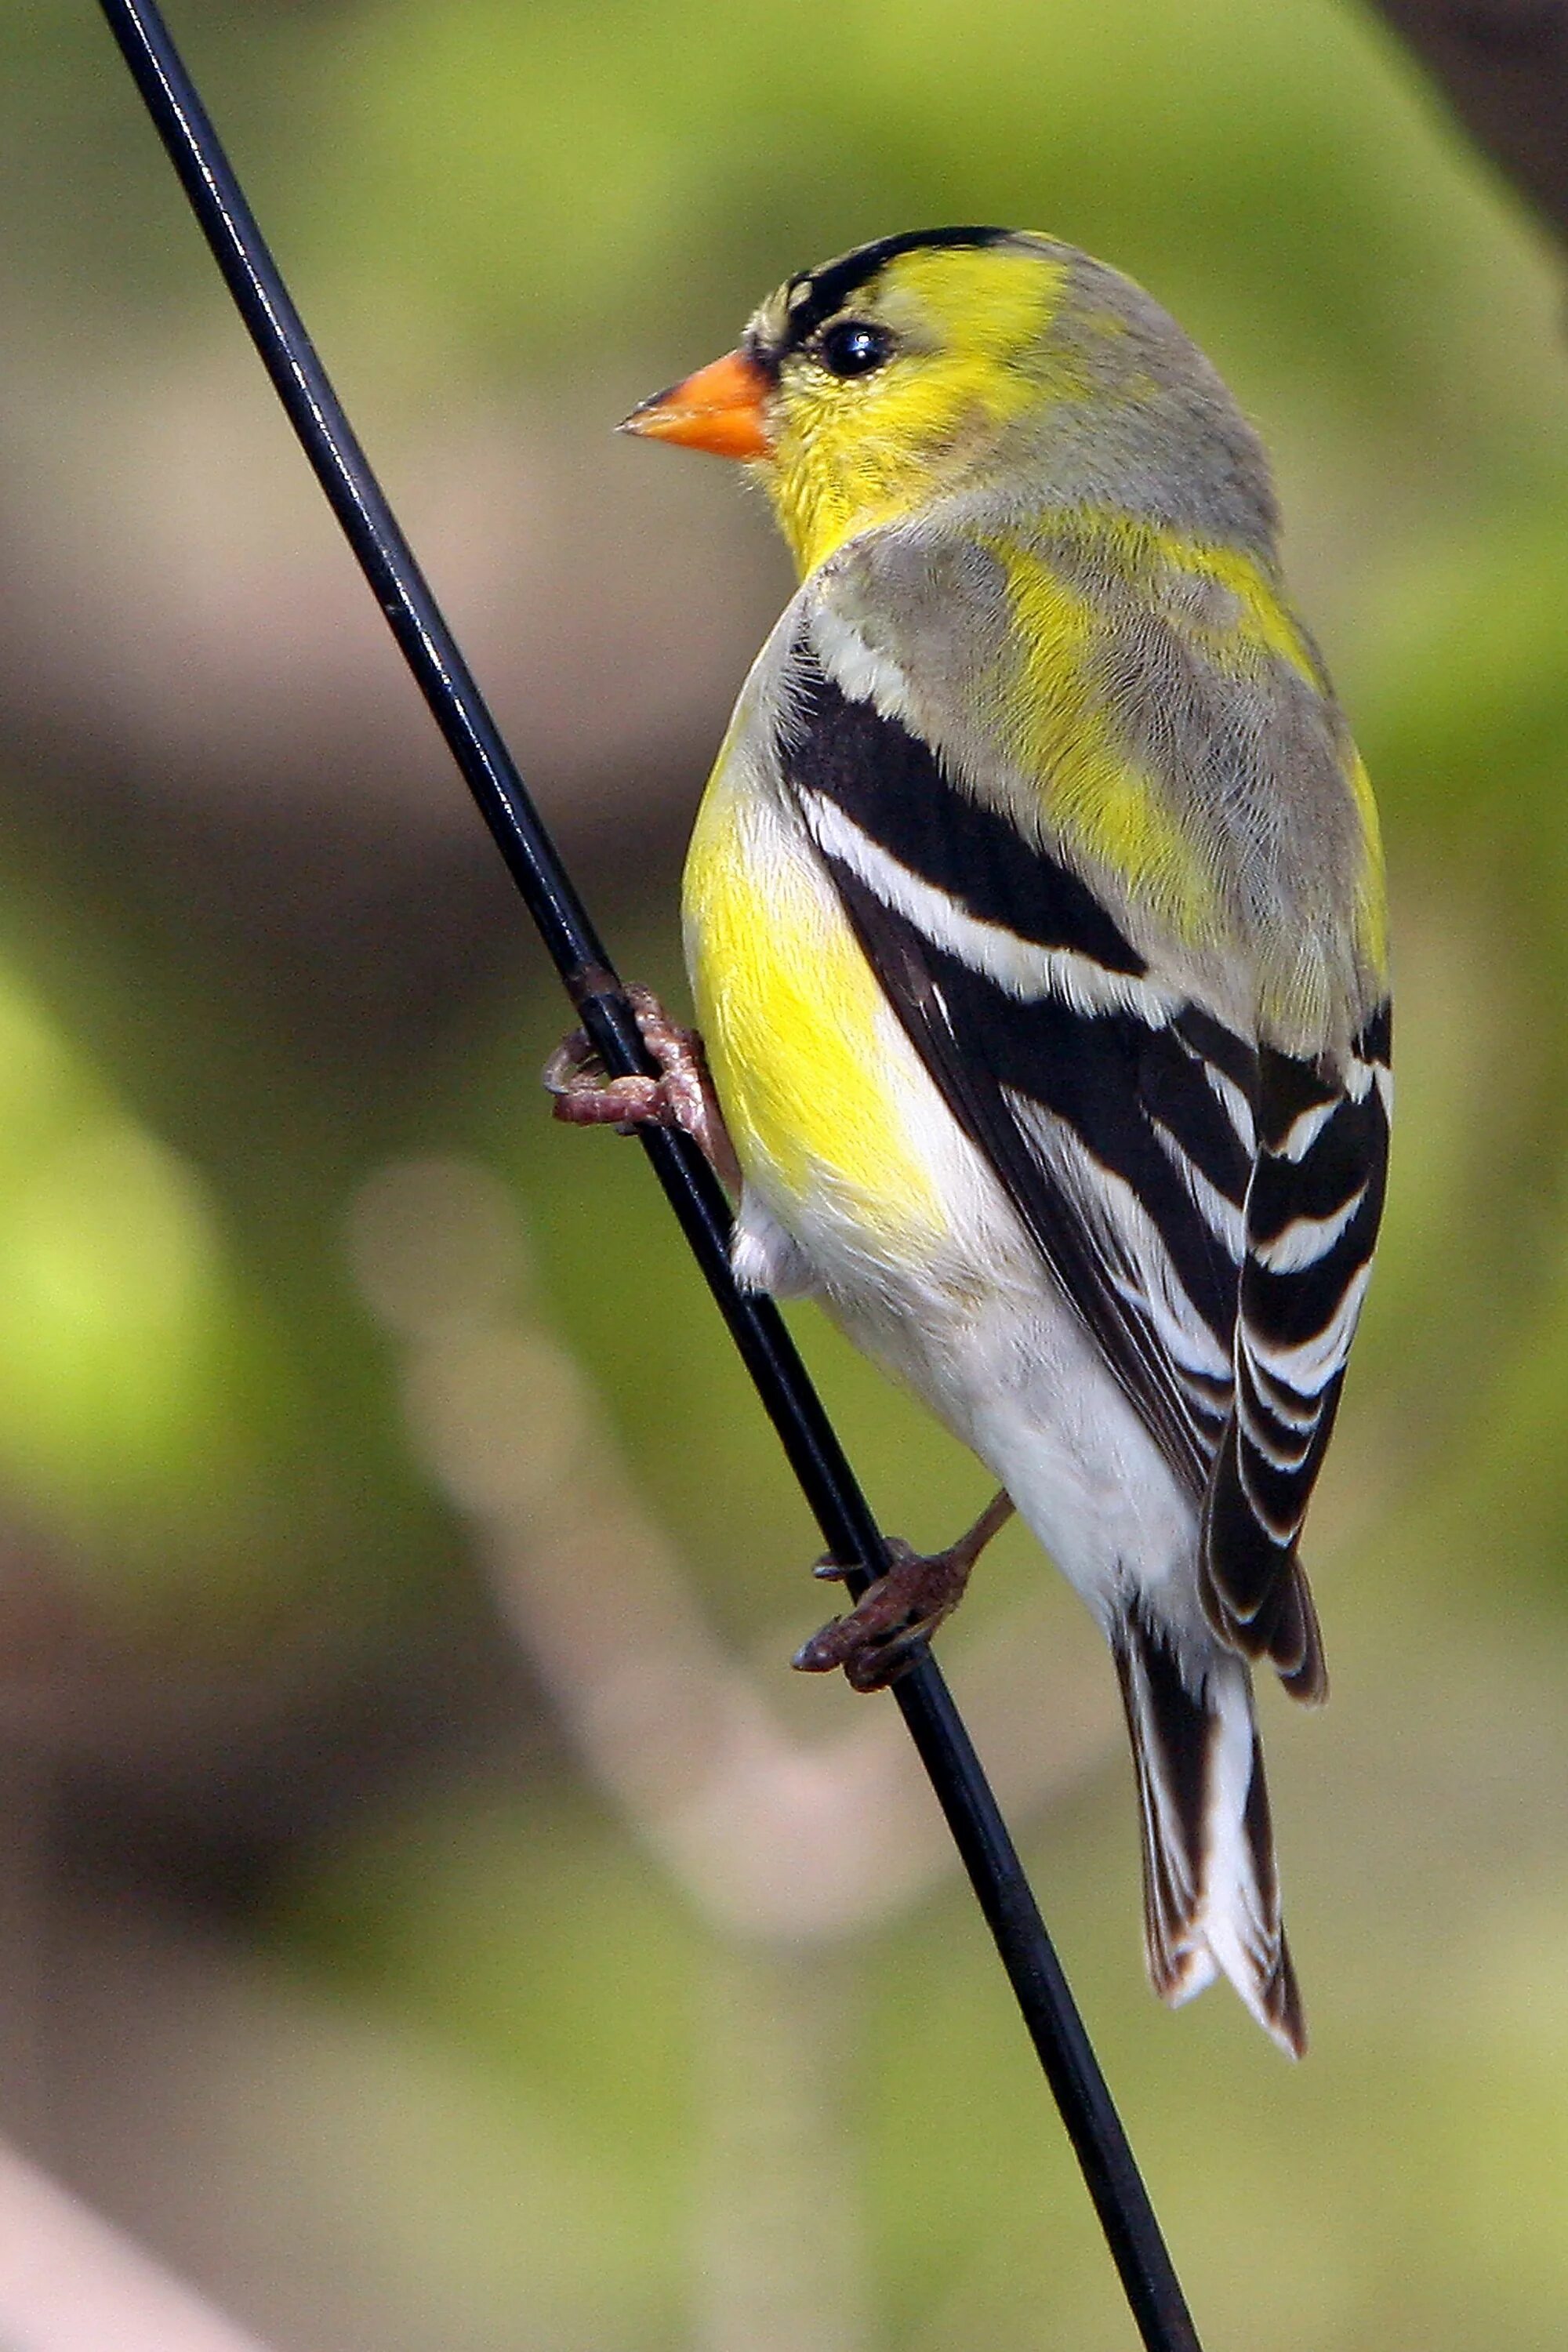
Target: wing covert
{"points": [[1118, 1120], [1209, 1208]]}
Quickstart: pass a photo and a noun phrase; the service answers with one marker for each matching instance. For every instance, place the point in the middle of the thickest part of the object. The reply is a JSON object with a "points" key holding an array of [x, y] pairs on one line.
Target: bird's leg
{"points": [[884, 1632], [682, 1096]]}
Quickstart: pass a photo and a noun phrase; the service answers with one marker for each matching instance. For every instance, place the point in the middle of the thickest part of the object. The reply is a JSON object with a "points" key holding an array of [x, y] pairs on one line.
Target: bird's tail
{"points": [[1211, 1899]]}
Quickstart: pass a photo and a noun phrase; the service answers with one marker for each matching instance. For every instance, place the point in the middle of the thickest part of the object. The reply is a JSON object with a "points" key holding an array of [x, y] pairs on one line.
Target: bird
{"points": [[1035, 919]]}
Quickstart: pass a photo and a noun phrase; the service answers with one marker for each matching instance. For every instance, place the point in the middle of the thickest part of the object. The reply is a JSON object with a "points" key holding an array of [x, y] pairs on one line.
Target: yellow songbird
{"points": [[1034, 920]]}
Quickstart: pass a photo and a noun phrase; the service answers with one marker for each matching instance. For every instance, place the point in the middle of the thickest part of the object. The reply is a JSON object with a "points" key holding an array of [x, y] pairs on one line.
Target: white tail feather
{"points": [[1211, 1898]]}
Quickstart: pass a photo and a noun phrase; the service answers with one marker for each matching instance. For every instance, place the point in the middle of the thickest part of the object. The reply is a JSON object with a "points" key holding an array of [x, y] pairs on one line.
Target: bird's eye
{"points": [[853, 347]]}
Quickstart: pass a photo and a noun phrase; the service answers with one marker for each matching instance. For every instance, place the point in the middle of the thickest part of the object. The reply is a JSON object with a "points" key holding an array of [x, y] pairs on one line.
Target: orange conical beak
{"points": [[718, 409]]}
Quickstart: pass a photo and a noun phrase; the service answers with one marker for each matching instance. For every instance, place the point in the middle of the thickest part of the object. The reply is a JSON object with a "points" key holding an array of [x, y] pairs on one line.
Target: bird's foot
{"points": [[682, 1096], [886, 1633]]}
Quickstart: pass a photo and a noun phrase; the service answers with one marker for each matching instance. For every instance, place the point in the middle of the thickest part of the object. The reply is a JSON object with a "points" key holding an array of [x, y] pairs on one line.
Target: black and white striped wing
{"points": [[1119, 1120], [1313, 1212]]}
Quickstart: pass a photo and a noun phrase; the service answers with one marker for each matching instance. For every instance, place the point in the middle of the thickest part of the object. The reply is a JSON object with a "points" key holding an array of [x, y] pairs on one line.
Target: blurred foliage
{"points": [[504, 201]]}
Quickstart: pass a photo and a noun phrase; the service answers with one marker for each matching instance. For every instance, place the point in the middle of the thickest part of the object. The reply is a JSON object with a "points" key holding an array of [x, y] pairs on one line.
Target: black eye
{"points": [[853, 347]]}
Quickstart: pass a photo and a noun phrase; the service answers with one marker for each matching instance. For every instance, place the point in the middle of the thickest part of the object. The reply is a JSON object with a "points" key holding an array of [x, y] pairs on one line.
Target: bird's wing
{"points": [[1117, 1116], [1313, 1211], [1207, 1207]]}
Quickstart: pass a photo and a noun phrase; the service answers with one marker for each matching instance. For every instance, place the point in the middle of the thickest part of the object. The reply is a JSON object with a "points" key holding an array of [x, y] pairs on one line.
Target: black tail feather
{"points": [[1211, 1894]]}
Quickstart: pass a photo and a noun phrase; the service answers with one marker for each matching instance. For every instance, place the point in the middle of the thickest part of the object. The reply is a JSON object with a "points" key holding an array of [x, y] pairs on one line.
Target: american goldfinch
{"points": [[1035, 921]]}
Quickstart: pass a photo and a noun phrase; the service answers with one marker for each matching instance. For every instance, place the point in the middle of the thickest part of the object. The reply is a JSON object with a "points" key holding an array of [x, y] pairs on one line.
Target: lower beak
{"points": [[719, 409]]}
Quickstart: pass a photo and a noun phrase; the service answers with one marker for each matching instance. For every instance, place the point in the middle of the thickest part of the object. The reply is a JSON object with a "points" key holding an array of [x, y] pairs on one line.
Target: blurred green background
{"points": [[430, 1913]]}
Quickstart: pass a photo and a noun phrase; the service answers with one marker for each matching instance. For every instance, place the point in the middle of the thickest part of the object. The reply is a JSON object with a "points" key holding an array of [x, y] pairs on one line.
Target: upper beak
{"points": [[718, 409]]}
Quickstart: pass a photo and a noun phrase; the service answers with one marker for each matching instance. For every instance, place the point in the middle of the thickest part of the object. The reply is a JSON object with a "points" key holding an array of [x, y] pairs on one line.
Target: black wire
{"points": [[829, 1484]]}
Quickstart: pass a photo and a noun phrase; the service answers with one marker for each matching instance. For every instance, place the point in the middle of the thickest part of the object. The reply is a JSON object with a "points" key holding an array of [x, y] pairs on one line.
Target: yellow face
{"points": [[864, 389], [879, 398]]}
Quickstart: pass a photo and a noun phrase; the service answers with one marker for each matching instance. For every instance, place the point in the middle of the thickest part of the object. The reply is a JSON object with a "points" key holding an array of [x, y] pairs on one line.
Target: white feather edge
{"points": [[1024, 969], [1243, 1942]]}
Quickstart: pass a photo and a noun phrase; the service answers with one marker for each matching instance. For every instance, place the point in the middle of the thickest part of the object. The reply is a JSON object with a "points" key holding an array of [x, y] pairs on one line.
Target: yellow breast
{"points": [[820, 1087]]}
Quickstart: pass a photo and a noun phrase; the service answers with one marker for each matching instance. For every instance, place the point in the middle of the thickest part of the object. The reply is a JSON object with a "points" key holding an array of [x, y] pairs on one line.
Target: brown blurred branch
{"points": [[782, 1845], [1503, 64], [69, 2283], [770, 1835]]}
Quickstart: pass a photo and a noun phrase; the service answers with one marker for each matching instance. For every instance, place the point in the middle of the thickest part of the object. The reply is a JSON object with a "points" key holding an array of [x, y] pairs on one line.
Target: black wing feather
{"points": [[1114, 1081], [1166, 1106], [932, 992], [1312, 1214]]}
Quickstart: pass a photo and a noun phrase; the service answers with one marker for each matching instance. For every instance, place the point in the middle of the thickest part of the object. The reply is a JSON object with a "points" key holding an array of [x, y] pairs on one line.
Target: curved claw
{"points": [[870, 1662], [574, 1063], [682, 1096], [881, 1636], [886, 1632]]}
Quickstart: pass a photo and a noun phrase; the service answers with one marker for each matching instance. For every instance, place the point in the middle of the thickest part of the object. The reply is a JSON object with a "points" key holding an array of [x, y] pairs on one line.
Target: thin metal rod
{"points": [[818, 1461]]}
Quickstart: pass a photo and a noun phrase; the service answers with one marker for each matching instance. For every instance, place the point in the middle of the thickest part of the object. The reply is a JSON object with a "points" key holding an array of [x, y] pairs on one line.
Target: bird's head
{"points": [[945, 360]]}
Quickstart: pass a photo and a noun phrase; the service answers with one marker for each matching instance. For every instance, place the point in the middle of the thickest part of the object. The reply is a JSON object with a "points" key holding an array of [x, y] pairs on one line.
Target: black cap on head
{"points": [[816, 294]]}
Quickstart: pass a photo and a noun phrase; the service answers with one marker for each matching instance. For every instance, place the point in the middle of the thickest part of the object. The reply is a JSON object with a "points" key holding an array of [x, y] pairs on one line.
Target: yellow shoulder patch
{"points": [[1054, 726], [1372, 906]]}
